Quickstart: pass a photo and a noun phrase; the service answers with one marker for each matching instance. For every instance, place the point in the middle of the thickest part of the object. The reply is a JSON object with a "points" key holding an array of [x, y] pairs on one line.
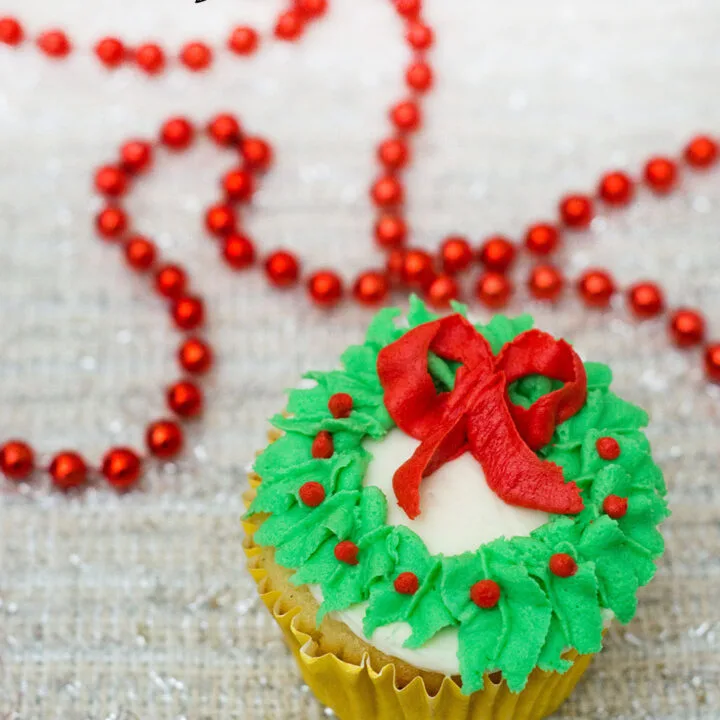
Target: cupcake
{"points": [[445, 526]]}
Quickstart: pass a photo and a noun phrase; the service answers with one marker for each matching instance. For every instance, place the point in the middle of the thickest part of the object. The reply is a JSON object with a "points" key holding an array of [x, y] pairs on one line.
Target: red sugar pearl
{"points": [[563, 565], [712, 362], [185, 399], [419, 76], [135, 156], [282, 269], [312, 8], [54, 43], [17, 460], [596, 288], [576, 211], [225, 130], [393, 153], [257, 153], [661, 175], [238, 251], [140, 253], [701, 152], [177, 133], [646, 300], [542, 239], [497, 254], [312, 494], [188, 312], [493, 290], [608, 448], [239, 185], [340, 405], [150, 58], [164, 439], [111, 181], [323, 446], [122, 467], [455, 254], [195, 356], [615, 507], [387, 192], [111, 52], [243, 40], [390, 231], [68, 470], [171, 281], [419, 35], [406, 116], [220, 220], [687, 328], [546, 282], [407, 583], [371, 287], [289, 25], [616, 188], [196, 56], [347, 552], [485, 594], [418, 268], [11, 32], [111, 223], [325, 288], [441, 291]]}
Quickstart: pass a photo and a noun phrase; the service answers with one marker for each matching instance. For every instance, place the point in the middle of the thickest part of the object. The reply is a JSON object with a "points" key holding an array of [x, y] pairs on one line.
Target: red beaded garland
{"points": [[257, 153], [497, 254], [455, 254], [135, 156], [712, 362], [312, 494], [701, 152], [185, 399], [395, 266], [406, 116], [188, 312], [340, 405], [347, 552], [289, 25], [387, 192], [407, 583], [282, 269], [661, 175], [323, 446], [195, 356], [485, 594], [11, 32], [238, 251], [596, 288], [616, 188], [493, 290], [687, 328], [408, 8], [542, 239], [196, 56], [164, 439], [441, 291], [111, 52], [239, 185], [220, 220], [615, 507], [111, 181], [608, 448], [225, 130], [419, 76], [68, 470], [140, 253], [646, 300], [121, 468], [312, 8], [151, 58], [111, 223], [417, 268], [325, 288], [17, 460], [243, 40], [54, 43], [171, 281], [393, 153], [420, 36], [576, 211], [546, 282], [371, 288], [390, 231], [177, 133], [563, 565]]}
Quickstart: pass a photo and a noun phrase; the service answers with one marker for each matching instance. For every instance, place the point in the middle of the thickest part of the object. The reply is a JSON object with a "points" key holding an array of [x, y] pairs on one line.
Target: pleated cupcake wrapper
{"points": [[358, 692]]}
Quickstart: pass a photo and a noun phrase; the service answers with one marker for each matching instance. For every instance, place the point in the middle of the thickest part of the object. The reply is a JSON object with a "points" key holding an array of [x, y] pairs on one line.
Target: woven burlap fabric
{"points": [[139, 606]]}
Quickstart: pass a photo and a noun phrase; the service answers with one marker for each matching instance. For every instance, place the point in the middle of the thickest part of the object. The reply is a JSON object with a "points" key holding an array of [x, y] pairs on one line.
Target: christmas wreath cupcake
{"points": [[444, 527]]}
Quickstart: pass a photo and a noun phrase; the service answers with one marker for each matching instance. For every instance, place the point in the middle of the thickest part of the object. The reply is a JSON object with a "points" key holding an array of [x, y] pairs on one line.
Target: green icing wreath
{"points": [[539, 615]]}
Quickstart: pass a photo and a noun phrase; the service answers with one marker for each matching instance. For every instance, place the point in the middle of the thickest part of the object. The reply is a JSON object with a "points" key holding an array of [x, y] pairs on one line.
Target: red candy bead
{"points": [[171, 281], [576, 211], [220, 220], [455, 254], [546, 282], [390, 231], [243, 40], [441, 291], [257, 153], [164, 439], [687, 328], [177, 133], [289, 25], [563, 565], [701, 152], [111, 52], [151, 58], [616, 188], [405, 116], [608, 448], [323, 446], [542, 239], [371, 288], [54, 43], [111, 181], [646, 300], [11, 32], [325, 288], [419, 76], [419, 35], [140, 253], [485, 594], [195, 356], [347, 552], [387, 192], [340, 405], [712, 362], [121, 468], [615, 507], [493, 290], [111, 223], [68, 470], [238, 251], [407, 583], [596, 288], [185, 399], [282, 269], [196, 56], [17, 460], [312, 8], [408, 8], [661, 175], [135, 156], [418, 269], [312, 494], [188, 312], [497, 254], [239, 185], [393, 153], [225, 130]]}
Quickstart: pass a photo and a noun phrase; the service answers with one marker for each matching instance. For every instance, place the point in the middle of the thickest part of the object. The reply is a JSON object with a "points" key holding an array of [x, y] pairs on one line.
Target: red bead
{"points": [[408, 8], [596, 288], [164, 439], [17, 460], [312, 8], [185, 399], [485, 594], [712, 362], [646, 300], [239, 185], [312, 494], [687, 328], [390, 231], [171, 281], [455, 254], [110, 51], [347, 552], [387, 192], [54, 43], [441, 291], [282, 268], [195, 356], [68, 470], [616, 188], [11, 32], [238, 251], [243, 40], [701, 152], [418, 269], [546, 282], [615, 507], [121, 468], [196, 56], [140, 253], [111, 223], [406, 116], [608, 448], [225, 130], [497, 254], [220, 220], [395, 266], [419, 76], [371, 287], [151, 58], [393, 153], [419, 35], [542, 239], [661, 175], [111, 181], [340, 405], [323, 446], [257, 153], [563, 565], [576, 211], [188, 312], [325, 288], [177, 133], [135, 156], [289, 25], [407, 583], [493, 289]]}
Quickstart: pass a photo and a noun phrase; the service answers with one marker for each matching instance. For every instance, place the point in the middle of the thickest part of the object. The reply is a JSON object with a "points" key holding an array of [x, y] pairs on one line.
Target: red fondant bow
{"points": [[478, 416]]}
